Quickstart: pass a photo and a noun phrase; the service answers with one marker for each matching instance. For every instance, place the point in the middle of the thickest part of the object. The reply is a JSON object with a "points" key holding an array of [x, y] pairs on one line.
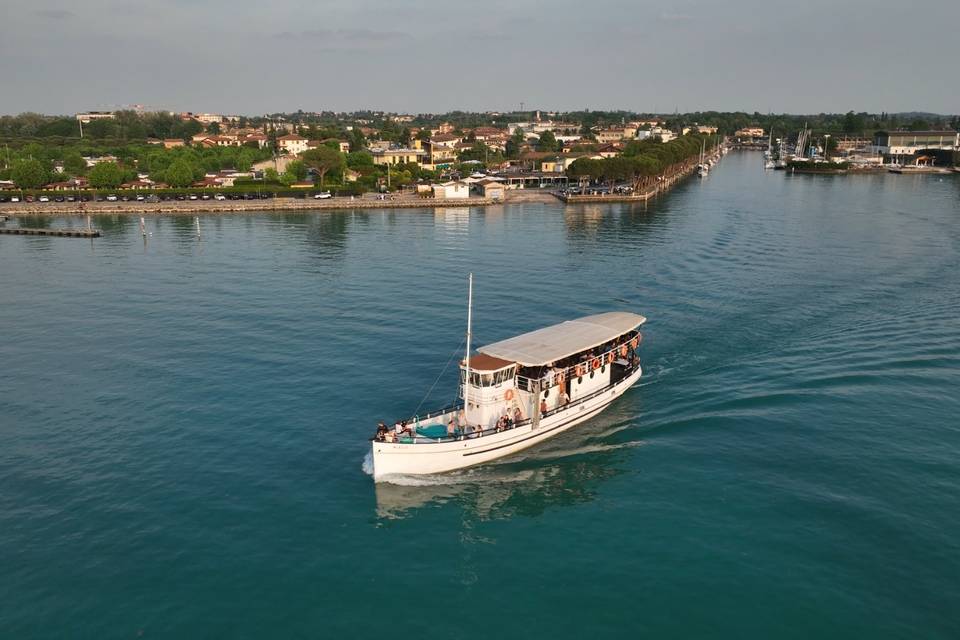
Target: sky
{"points": [[415, 56]]}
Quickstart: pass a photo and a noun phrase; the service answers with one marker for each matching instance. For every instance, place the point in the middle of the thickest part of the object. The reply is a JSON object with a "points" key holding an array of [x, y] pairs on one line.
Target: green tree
{"points": [[29, 174], [515, 143], [271, 175], [298, 170], [245, 159], [180, 173], [213, 127], [356, 139], [323, 160], [548, 142], [73, 163], [106, 175]]}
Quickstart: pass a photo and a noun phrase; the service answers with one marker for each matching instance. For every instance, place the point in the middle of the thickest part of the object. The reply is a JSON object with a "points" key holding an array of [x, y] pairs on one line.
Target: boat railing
{"points": [[557, 377], [480, 433]]}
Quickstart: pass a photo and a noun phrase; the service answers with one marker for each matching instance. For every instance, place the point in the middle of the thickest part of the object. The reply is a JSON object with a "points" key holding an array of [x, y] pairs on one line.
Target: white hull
{"points": [[427, 457]]}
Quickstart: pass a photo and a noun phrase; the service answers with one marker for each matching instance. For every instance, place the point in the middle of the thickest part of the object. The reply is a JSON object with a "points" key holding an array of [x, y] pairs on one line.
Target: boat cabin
{"points": [[543, 371]]}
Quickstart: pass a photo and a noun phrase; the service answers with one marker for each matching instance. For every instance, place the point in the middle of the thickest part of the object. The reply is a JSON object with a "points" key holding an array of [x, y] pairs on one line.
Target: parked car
{"points": [[205, 196], [193, 196], [44, 199], [112, 197], [323, 195], [71, 198], [14, 198], [58, 198], [28, 199], [219, 196], [140, 197]]}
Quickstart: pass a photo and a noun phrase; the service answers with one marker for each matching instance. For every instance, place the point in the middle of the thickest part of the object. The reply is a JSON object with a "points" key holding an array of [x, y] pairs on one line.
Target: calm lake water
{"points": [[183, 423]]}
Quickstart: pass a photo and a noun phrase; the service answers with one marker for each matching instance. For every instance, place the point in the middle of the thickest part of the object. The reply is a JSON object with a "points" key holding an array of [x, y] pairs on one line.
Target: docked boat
{"points": [[517, 393]]}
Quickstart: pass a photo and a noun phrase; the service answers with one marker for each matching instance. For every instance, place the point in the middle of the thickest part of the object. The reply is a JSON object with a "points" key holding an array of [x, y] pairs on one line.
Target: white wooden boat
{"points": [[545, 382]]}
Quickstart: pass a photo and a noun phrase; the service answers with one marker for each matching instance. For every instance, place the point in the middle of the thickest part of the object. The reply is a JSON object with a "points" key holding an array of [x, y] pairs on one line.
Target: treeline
{"points": [[35, 165], [641, 159]]}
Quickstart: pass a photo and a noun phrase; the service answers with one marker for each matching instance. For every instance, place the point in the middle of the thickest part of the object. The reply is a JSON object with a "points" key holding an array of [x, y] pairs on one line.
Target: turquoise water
{"points": [[183, 423]]}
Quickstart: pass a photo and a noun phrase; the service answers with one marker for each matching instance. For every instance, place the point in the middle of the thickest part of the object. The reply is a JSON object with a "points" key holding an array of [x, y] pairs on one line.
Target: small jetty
{"points": [[60, 233]]}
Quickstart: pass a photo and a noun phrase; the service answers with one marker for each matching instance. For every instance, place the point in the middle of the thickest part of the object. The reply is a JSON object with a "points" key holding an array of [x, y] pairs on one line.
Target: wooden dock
{"points": [[60, 233]]}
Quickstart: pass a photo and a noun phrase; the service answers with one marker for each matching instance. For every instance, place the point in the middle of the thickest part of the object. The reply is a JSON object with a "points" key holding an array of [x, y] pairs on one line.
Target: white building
{"points": [[451, 190], [292, 144]]}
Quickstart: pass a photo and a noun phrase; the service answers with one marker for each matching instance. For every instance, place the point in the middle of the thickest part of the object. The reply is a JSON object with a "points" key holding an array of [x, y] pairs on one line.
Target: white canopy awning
{"points": [[543, 346]]}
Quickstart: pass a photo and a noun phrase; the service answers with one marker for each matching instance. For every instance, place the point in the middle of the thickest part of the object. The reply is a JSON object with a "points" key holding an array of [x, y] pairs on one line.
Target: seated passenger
{"points": [[517, 416], [407, 429], [451, 428], [381, 431]]}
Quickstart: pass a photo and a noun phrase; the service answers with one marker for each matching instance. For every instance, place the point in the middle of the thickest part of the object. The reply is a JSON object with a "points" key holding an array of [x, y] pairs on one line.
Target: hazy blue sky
{"points": [[244, 56]]}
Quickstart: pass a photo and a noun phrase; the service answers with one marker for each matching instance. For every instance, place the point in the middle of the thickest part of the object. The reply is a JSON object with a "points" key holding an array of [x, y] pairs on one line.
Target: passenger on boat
{"points": [[517, 416], [407, 429], [381, 431], [451, 428], [398, 428], [543, 406], [564, 397]]}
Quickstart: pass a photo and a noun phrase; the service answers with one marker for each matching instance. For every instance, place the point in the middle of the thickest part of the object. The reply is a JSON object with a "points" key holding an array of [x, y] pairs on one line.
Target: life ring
{"points": [[596, 363], [610, 357], [623, 351], [579, 371], [633, 343], [508, 395]]}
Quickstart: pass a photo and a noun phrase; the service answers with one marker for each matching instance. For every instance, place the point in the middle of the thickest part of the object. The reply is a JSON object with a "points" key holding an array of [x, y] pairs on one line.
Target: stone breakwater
{"points": [[670, 178], [193, 207]]}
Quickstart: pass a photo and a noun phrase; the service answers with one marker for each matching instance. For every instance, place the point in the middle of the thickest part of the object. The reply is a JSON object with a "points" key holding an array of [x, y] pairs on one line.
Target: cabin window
{"points": [[603, 368], [546, 394], [591, 375]]}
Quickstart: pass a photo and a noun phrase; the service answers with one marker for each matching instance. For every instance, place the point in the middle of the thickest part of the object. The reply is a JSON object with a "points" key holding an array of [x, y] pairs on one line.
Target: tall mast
{"points": [[466, 377]]}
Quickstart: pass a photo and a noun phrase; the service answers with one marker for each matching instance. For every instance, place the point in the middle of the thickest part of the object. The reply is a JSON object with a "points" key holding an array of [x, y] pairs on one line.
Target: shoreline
{"points": [[216, 207], [193, 207]]}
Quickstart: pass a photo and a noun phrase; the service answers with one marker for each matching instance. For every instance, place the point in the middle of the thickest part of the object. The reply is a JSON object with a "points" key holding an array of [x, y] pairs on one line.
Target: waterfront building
{"points": [[451, 190], [399, 155], [439, 156], [492, 188], [909, 143]]}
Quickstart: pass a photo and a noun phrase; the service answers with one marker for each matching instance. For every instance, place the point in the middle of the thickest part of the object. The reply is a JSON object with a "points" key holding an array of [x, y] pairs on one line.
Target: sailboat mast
{"points": [[466, 377]]}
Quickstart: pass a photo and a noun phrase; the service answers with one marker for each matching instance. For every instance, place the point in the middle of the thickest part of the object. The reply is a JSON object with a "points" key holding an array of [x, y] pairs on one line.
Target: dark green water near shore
{"points": [[183, 423]]}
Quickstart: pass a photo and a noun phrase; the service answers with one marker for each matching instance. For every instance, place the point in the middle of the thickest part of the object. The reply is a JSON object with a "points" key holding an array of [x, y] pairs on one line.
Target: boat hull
{"points": [[423, 458]]}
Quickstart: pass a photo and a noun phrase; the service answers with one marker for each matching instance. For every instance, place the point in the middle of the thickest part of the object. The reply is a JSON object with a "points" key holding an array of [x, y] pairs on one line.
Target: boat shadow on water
{"points": [[563, 472]]}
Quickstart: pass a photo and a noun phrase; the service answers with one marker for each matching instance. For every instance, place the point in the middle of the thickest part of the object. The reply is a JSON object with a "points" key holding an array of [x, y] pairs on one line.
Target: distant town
{"points": [[140, 154]]}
